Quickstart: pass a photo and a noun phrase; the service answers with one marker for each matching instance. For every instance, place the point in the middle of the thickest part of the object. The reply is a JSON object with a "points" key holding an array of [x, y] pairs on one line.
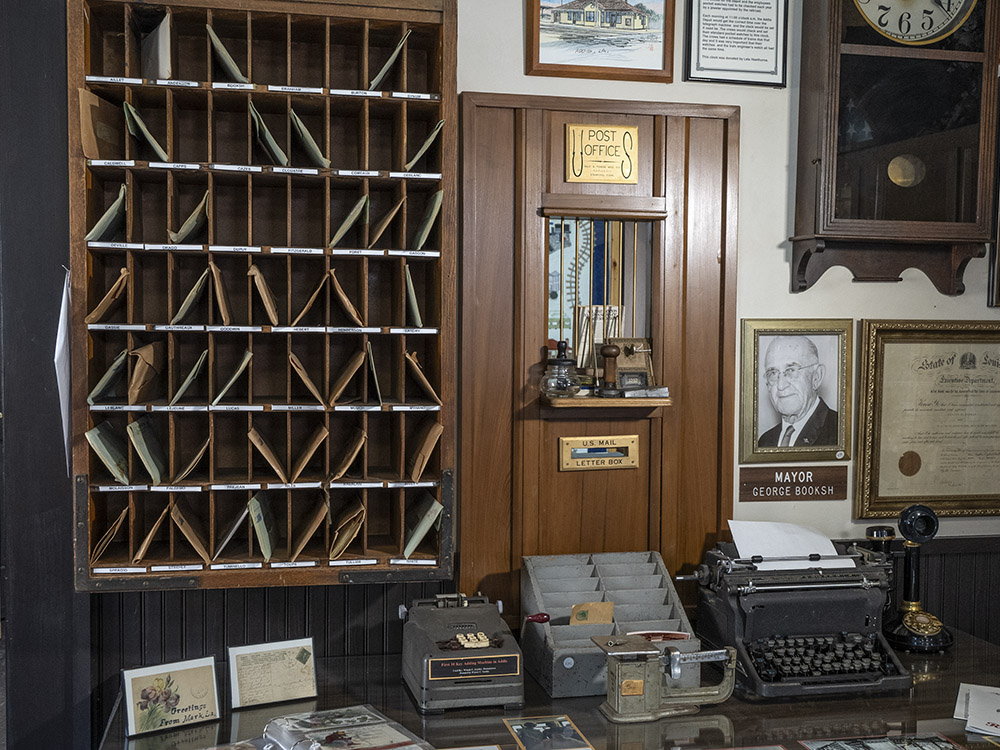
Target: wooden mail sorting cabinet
{"points": [[263, 264]]}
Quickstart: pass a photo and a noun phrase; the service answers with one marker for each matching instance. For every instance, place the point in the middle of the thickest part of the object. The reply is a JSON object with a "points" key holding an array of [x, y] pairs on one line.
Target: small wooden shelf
{"points": [[596, 402]]}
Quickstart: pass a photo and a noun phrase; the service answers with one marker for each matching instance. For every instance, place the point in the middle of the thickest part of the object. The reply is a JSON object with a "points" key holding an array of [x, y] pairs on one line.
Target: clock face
{"points": [[915, 21]]}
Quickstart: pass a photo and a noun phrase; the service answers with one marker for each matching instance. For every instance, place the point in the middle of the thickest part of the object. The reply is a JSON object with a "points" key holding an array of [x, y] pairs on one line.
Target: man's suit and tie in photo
{"points": [[793, 374]]}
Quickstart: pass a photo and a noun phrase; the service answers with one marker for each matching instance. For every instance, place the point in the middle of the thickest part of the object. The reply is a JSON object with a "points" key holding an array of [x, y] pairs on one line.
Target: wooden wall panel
{"points": [[487, 349], [699, 399], [669, 268], [689, 155], [578, 513]]}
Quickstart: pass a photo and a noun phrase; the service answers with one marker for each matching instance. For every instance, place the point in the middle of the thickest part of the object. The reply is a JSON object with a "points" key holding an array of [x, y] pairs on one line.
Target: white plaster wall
{"points": [[491, 44]]}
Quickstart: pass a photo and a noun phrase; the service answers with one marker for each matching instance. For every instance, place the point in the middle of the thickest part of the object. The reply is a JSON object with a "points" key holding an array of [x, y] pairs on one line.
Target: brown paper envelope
{"points": [[247, 356], [141, 552], [192, 297], [194, 462], [225, 59], [192, 374], [115, 370], [390, 62], [300, 369], [424, 447], [266, 296], [149, 361], [221, 296], [345, 301], [350, 453], [348, 222], [184, 517], [411, 299], [102, 134], [109, 535], [420, 377], [231, 530], [431, 137], [384, 222], [113, 295], [318, 436], [138, 129], [309, 144], [592, 613], [347, 527], [268, 453], [312, 298], [371, 366], [111, 220], [193, 223], [318, 515], [352, 366], [427, 222]]}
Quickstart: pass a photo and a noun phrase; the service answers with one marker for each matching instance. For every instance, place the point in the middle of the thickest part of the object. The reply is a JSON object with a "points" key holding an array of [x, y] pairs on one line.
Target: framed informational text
{"points": [[624, 40], [929, 418], [796, 390], [736, 41]]}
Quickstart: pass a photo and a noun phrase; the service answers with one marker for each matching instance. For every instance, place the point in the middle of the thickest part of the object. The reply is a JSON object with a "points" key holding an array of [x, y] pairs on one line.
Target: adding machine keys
{"points": [[637, 686]]}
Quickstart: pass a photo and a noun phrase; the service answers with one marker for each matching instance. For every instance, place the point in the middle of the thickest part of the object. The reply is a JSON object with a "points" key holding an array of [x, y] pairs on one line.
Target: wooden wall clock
{"points": [[897, 139]]}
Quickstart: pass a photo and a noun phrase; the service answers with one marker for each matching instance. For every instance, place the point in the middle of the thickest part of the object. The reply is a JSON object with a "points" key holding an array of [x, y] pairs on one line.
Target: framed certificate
{"points": [[929, 418]]}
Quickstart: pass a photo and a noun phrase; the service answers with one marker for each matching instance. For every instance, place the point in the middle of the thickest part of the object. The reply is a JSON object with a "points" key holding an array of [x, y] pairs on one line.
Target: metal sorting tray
{"points": [[561, 656]]}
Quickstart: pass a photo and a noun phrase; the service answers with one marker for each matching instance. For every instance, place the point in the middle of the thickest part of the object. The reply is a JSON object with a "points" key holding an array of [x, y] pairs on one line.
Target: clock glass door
{"points": [[908, 139], [909, 126]]}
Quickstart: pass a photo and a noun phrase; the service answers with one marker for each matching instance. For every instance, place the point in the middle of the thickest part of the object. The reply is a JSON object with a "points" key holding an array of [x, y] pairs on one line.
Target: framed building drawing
{"points": [[615, 39]]}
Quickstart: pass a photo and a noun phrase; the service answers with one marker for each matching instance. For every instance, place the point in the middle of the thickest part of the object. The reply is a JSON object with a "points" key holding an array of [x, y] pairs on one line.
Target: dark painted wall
{"points": [[61, 683], [156, 627], [47, 628]]}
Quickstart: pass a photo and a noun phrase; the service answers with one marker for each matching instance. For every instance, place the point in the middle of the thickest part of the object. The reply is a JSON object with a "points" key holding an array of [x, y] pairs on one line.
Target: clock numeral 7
{"points": [[883, 20]]}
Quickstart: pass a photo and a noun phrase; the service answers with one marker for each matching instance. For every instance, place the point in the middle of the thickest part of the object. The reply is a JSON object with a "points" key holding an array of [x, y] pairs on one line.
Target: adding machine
{"points": [[459, 653]]}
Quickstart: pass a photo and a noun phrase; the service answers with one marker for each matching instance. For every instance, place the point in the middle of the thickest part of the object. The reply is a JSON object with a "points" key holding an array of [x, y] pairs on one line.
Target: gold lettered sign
{"points": [[602, 153], [599, 452]]}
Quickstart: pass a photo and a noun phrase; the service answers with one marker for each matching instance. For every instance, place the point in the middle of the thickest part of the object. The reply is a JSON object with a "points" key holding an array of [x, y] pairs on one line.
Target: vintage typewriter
{"points": [[804, 632]]}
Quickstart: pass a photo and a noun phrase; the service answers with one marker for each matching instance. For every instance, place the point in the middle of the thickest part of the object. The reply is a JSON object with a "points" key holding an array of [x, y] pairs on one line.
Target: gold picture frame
{"points": [[928, 418], [810, 358]]}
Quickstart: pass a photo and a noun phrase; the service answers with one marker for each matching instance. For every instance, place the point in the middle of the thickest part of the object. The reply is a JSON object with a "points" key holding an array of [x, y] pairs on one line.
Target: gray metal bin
{"points": [[561, 656]]}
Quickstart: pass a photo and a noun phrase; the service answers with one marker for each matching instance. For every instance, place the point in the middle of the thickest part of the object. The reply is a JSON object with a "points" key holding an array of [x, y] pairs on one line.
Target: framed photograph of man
{"points": [[795, 391]]}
